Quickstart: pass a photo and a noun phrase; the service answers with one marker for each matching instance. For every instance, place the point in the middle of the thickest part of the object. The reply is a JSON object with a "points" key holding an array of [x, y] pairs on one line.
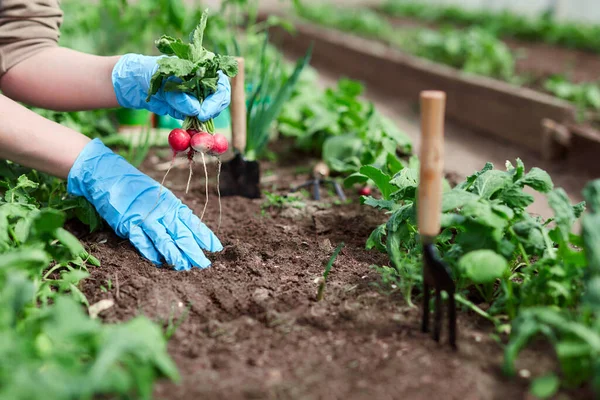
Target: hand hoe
{"points": [[239, 177]]}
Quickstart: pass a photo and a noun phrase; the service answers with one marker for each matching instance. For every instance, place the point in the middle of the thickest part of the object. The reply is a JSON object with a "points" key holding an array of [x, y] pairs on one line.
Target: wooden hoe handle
{"points": [[238, 108], [429, 204]]}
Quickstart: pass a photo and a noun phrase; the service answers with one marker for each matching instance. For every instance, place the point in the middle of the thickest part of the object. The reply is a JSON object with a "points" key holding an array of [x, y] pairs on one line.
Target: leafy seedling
{"points": [[323, 279]]}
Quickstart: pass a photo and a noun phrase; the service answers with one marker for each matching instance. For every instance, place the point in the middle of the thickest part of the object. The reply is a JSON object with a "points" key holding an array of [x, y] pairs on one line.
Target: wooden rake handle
{"points": [[238, 108], [429, 203]]}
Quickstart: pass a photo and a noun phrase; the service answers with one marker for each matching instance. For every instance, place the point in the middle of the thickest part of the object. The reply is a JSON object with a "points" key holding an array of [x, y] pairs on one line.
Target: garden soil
{"points": [[254, 329]]}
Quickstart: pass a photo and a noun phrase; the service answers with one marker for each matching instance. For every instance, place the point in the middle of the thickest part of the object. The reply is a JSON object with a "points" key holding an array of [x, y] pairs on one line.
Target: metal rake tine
{"points": [[438, 313], [425, 317], [316, 190], [337, 188]]}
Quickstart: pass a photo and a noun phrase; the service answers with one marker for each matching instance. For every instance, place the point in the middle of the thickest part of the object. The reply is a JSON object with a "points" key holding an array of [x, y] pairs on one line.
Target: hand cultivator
{"points": [[320, 175], [239, 177], [436, 274]]}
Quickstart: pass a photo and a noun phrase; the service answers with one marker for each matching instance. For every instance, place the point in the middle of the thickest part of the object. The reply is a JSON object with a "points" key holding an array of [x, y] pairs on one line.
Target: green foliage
{"points": [[279, 201], [45, 335], [190, 69], [262, 114], [531, 271], [583, 95], [472, 50], [346, 130], [507, 24]]}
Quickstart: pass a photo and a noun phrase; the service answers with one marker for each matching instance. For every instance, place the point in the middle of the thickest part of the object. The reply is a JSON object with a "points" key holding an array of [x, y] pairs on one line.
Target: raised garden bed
{"points": [[487, 105], [255, 330]]}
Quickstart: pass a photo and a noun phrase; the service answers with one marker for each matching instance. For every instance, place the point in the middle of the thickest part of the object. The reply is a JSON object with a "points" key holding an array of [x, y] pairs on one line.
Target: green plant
{"points": [[531, 275], [487, 235], [347, 131], [583, 95], [505, 23], [574, 329], [195, 69], [45, 335], [262, 113], [323, 279], [278, 201], [473, 50]]}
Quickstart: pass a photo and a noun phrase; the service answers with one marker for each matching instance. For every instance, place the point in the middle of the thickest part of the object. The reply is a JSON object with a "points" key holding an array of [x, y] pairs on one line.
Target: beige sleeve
{"points": [[26, 27]]}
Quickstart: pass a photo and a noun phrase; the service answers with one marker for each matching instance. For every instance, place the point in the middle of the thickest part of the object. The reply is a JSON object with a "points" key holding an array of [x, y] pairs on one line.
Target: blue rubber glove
{"points": [[161, 229], [131, 81]]}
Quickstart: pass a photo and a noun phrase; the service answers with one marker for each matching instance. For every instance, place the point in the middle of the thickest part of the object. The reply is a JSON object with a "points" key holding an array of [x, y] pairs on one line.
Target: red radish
{"points": [[219, 146], [202, 142], [365, 191], [179, 140]]}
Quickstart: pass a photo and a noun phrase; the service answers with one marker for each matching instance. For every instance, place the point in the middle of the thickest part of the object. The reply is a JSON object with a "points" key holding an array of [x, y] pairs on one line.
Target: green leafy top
{"points": [[190, 68]]}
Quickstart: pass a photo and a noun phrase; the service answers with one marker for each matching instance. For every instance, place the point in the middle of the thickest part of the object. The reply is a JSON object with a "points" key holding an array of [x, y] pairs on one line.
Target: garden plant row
{"points": [[527, 276], [469, 41]]}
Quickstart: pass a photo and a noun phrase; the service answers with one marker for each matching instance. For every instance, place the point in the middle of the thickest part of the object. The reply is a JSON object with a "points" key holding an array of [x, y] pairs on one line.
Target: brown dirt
{"points": [[254, 329]]}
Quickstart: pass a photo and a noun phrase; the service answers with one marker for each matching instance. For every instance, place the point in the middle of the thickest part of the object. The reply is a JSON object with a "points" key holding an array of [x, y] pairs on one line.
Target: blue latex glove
{"points": [[128, 200], [131, 81]]}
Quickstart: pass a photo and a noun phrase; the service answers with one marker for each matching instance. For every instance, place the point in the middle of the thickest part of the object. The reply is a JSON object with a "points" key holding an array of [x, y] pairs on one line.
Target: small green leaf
{"points": [[379, 204], [545, 387], [563, 211], [47, 220], [514, 197], [171, 46], [173, 66], [490, 182], [466, 185], [155, 84], [483, 266], [197, 37], [355, 178], [393, 164], [69, 241], [457, 198], [538, 180], [24, 258], [228, 65], [381, 179], [375, 239]]}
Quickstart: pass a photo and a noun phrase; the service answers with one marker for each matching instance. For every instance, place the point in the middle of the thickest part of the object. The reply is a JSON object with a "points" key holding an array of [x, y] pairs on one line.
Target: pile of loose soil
{"points": [[255, 330]]}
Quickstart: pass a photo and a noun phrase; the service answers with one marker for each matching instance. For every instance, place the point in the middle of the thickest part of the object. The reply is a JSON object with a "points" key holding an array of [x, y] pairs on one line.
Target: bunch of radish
{"points": [[191, 142], [196, 70]]}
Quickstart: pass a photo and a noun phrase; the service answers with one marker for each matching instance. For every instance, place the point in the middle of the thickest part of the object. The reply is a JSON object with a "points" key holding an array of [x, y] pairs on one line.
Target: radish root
{"points": [[205, 185], [187, 188], [219, 193]]}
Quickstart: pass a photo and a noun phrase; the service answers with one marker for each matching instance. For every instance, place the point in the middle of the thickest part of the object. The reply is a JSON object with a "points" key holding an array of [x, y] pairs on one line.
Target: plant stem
{"points": [[321, 290], [520, 245], [460, 299]]}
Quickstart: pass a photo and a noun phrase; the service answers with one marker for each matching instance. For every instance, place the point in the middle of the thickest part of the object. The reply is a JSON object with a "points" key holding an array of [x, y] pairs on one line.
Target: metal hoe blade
{"points": [[436, 275], [240, 177]]}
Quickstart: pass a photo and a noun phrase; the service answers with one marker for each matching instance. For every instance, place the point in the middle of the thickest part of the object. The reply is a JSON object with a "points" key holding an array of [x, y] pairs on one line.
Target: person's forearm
{"points": [[36, 142], [63, 80]]}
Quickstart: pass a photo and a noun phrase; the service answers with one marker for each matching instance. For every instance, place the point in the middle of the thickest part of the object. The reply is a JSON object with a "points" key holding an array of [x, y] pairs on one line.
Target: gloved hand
{"points": [[131, 81], [160, 228]]}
